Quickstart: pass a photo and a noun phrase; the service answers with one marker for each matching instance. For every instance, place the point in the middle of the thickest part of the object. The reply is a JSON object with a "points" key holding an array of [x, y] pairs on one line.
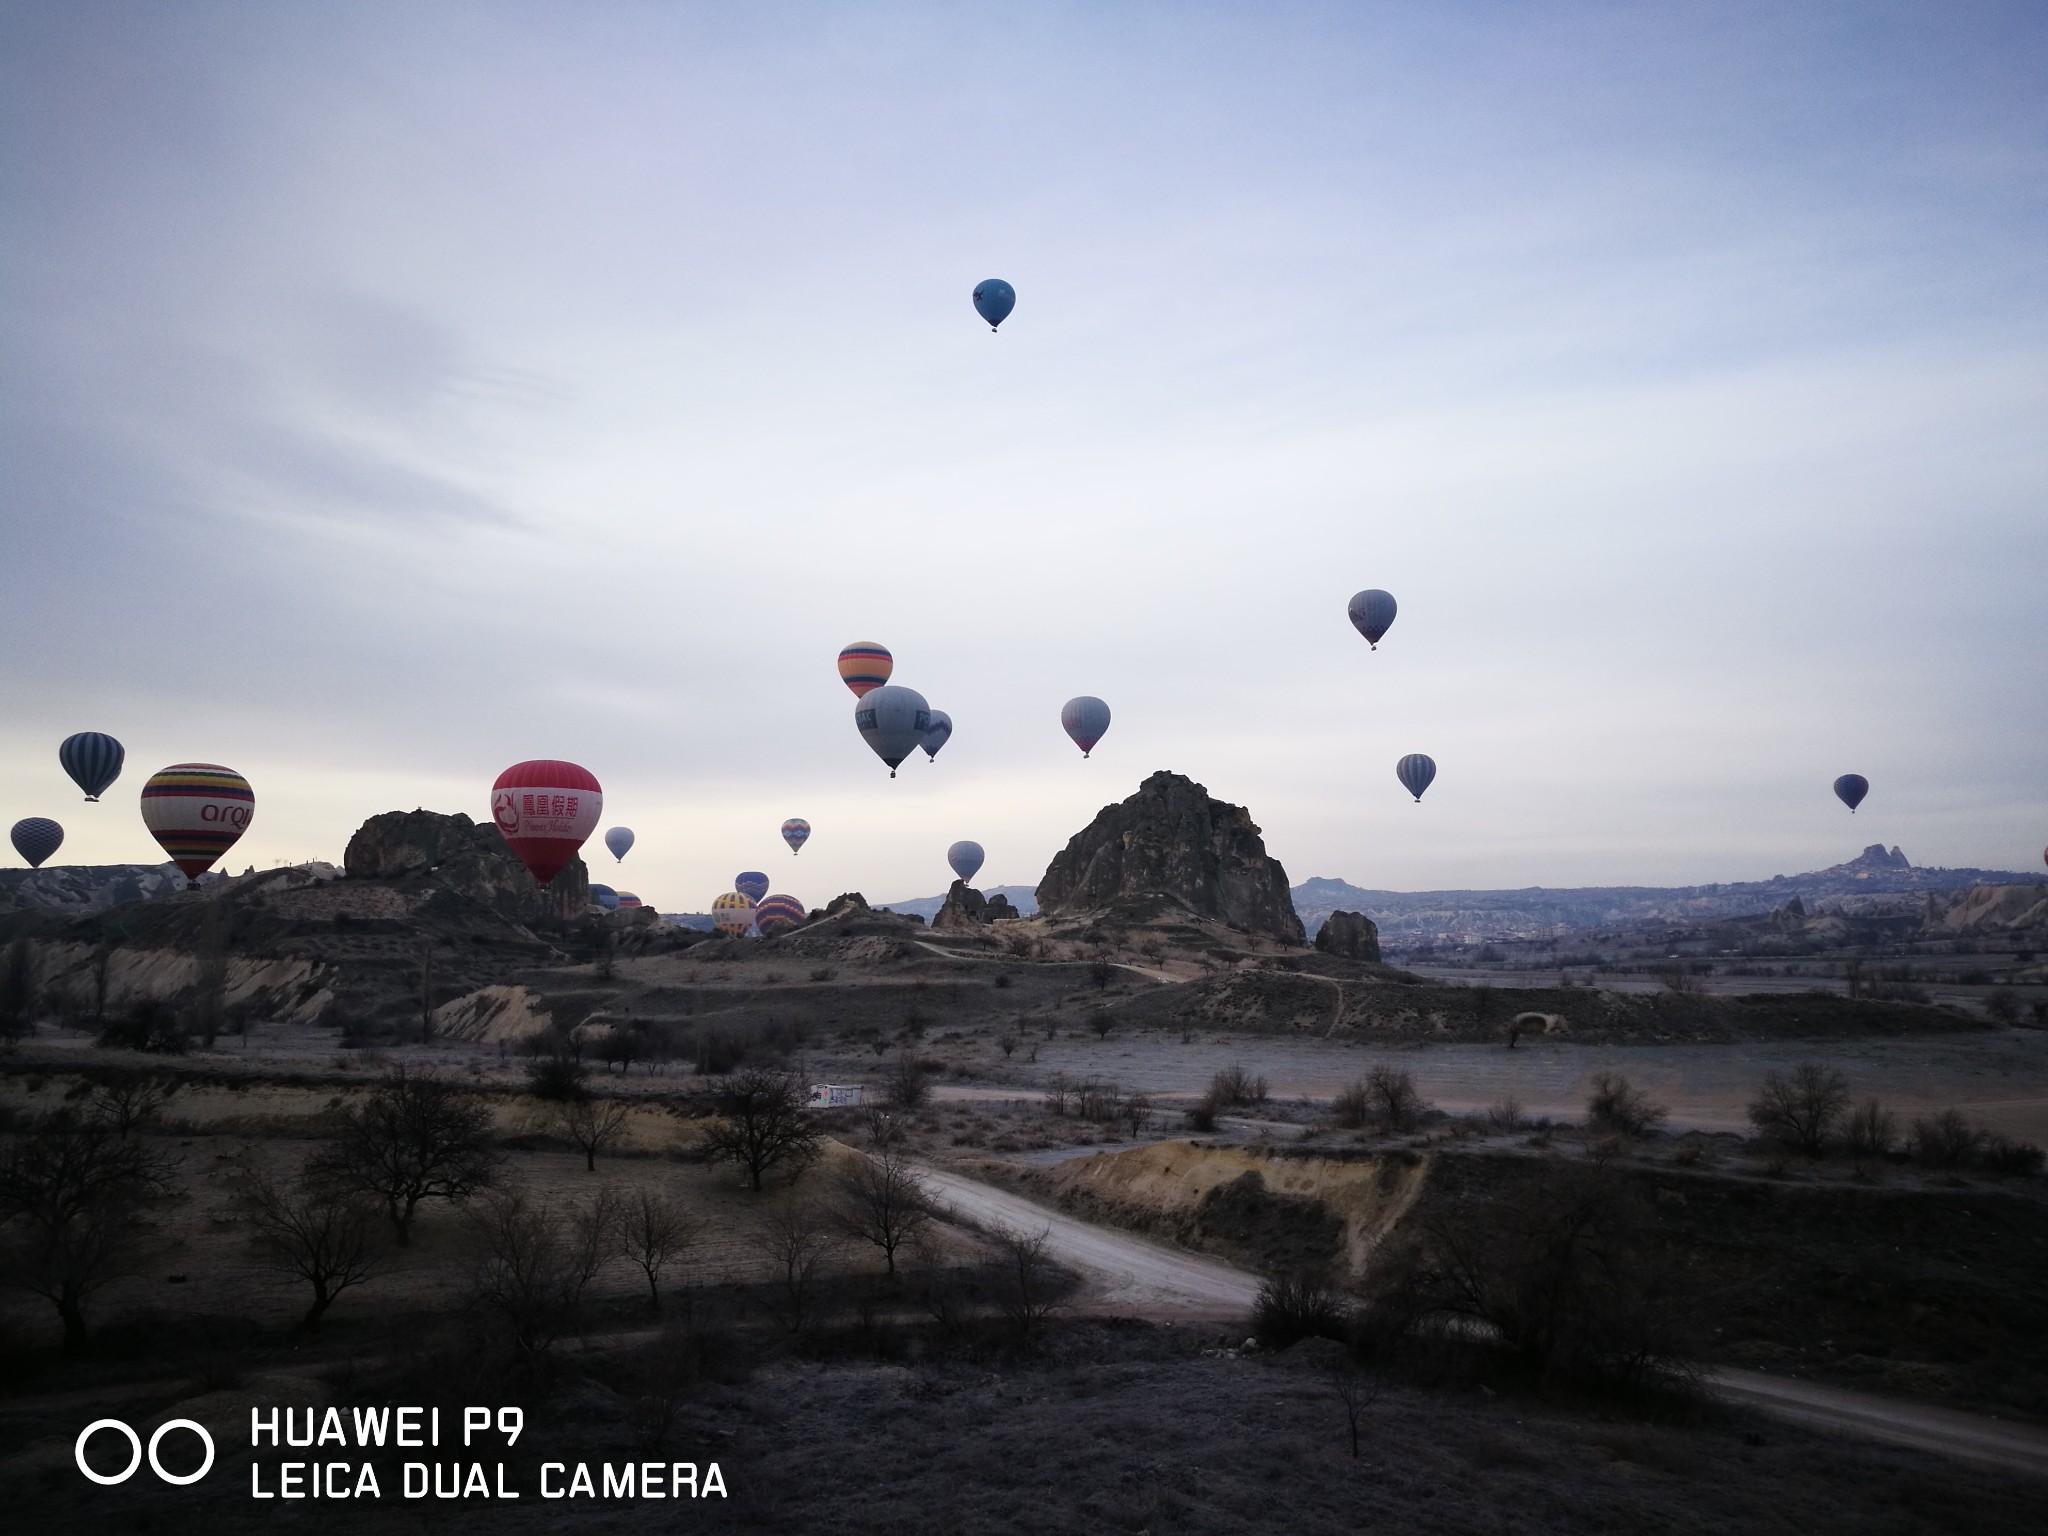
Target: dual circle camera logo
{"points": [[135, 1447]]}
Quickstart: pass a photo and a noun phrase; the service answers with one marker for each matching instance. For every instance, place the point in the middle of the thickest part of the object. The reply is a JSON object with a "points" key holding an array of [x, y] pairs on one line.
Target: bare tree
{"points": [[1028, 1280], [592, 1124], [73, 1197], [762, 1125], [535, 1260], [1357, 1392], [17, 989], [654, 1231], [414, 1138], [1007, 1043], [1617, 1107], [1393, 1098], [801, 1245], [1801, 1108], [125, 1100], [879, 1199], [908, 1087], [315, 1229], [1870, 1131]]}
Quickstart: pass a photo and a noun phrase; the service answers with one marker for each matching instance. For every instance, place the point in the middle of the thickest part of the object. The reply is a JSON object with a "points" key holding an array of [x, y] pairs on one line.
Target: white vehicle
{"points": [[833, 1096]]}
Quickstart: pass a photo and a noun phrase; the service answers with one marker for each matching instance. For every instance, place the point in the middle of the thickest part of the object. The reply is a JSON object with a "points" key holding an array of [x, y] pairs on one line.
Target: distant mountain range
{"points": [[83, 888], [1023, 897]]}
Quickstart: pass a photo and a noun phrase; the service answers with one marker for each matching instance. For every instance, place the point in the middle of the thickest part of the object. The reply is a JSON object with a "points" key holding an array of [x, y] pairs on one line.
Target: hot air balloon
{"points": [[197, 811], [965, 858], [778, 913], [937, 736], [1372, 614], [36, 838], [628, 901], [864, 666], [1085, 719], [93, 759], [1415, 772], [732, 913], [1850, 789], [893, 721], [620, 841], [546, 809], [751, 883], [993, 300], [796, 832], [604, 896]]}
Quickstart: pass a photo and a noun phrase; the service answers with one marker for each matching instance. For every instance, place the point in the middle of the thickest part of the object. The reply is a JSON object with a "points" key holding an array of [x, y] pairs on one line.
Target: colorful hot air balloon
{"points": [[546, 809], [993, 300], [938, 735], [751, 883], [36, 838], [732, 913], [965, 857], [1085, 719], [620, 841], [796, 832], [1415, 772], [93, 759], [893, 721], [1372, 614], [628, 901], [777, 913], [864, 666], [197, 811], [1850, 789], [604, 896]]}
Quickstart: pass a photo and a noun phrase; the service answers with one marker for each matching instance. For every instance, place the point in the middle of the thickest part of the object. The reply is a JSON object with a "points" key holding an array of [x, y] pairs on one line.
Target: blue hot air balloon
{"points": [[936, 737], [892, 720], [1415, 772], [619, 840], [993, 300], [1372, 614], [1085, 719], [796, 832], [751, 883], [965, 858], [93, 759], [36, 838], [1850, 789], [604, 896]]}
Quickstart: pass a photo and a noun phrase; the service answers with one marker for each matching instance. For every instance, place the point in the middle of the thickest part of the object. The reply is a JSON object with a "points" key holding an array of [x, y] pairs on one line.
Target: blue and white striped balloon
{"points": [[965, 857], [93, 759], [1415, 772], [620, 841]]}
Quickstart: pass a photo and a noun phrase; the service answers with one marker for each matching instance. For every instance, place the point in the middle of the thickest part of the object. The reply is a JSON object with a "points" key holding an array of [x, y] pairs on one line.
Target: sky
{"points": [[390, 393]]}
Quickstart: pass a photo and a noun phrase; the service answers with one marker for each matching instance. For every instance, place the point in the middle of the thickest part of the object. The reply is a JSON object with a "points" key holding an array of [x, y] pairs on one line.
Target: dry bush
{"points": [[654, 1231], [591, 1124], [879, 1199], [1616, 1107], [1505, 1115], [322, 1232], [803, 1245], [1029, 1283], [1870, 1130], [908, 1085], [1352, 1108], [1234, 1086], [1290, 1308], [1393, 1099], [414, 1138], [535, 1260], [762, 1125], [126, 1100], [1946, 1140], [1802, 1108]]}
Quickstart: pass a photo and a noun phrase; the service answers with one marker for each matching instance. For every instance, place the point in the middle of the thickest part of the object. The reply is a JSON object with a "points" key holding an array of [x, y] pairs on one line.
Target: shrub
{"points": [[1352, 1107], [149, 1025], [1870, 1130], [556, 1076], [1616, 1107], [1505, 1115], [1003, 981], [1291, 1308], [1946, 1140], [718, 1053], [1201, 1115], [1395, 1101], [908, 1086], [1801, 1110], [1102, 1021], [1235, 1086], [2001, 1154]]}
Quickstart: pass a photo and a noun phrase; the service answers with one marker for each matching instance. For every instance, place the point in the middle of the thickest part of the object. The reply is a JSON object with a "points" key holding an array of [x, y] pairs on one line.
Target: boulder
{"points": [[964, 910], [999, 909], [1171, 839], [469, 859], [1352, 935]]}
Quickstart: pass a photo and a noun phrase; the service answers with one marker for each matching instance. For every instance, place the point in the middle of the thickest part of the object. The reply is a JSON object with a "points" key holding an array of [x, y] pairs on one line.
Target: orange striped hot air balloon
{"points": [[864, 665], [198, 811]]}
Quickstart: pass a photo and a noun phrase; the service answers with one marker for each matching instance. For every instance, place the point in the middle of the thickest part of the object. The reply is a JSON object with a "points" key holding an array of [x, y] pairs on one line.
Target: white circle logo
{"points": [[136, 1452]]}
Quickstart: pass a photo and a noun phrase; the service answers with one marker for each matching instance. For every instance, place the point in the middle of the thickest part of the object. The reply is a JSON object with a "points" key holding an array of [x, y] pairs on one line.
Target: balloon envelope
{"points": [[1415, 772], [941, 730], [36, 838], [993, 300], [546, 810], [627, 901], [1372, 614], [778, 913], [604, 896], [796, 832], [619, 840], [751, 883], [965, 858], [1850, 789], [93, 759], [893, 721], [865, 666], [1085, 719], [732, 913], [197, 811]]}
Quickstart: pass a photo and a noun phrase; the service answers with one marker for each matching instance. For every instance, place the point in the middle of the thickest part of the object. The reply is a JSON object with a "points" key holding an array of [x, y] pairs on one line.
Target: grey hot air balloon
{"points": [[1850, 789], [1085, 719], [1372, 614], [93, 759], [892, 720], [993, 300], [35, 838], [620, 841], [938, 735], [1415, 772], [965, 857]]}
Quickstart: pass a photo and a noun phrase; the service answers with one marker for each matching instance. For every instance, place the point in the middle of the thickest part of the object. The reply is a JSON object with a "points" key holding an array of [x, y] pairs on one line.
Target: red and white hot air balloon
{"points": [[197, 811], [546, 809]]}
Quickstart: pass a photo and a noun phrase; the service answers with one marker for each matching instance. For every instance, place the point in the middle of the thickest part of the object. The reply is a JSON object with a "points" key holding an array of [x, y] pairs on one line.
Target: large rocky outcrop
{"points": [[1170, 839], [964, 911], [1351, 935], [470, 859]]}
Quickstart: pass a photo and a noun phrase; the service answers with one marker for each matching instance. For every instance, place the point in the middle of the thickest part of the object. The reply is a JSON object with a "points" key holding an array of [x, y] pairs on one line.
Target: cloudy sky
{"points": [[391, 392]]}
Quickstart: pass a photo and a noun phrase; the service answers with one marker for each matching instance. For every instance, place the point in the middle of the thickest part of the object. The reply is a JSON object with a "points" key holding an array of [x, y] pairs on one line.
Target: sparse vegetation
{"points": [[413, 1138], [762, 1125], [320, 1231], [592, 1124], [1801, 1108], [1616, 1107], [1291, 1308]]}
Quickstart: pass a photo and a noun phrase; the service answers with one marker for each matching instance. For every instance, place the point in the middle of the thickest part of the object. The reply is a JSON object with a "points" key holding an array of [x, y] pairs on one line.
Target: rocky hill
{"points": [[89, 887], [927, 907], [1171, 839]]}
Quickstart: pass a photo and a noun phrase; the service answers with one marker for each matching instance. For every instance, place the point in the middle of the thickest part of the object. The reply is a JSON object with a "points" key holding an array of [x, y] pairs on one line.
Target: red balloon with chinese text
{"points": [[546, 809]]}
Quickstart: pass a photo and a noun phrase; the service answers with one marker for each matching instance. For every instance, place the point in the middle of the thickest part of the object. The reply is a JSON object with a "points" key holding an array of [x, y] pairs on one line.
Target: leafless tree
{"points": [[1393, 1098], [593, 1124], [1870, 1130], [762, 1125], [1357, 1392], [880, 1199], [535, 1260], [414, 1138], [1615, 1106], [908, 1086], [1007, 1043], [315, 1229], [17, 989], [1028, 1278], [801, 1245], [1801, 1108], [654, 1231], [125, 1100]]}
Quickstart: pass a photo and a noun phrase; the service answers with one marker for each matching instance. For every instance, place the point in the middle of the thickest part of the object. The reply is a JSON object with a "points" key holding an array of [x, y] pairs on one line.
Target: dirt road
{"points": [[1129, 1276]]}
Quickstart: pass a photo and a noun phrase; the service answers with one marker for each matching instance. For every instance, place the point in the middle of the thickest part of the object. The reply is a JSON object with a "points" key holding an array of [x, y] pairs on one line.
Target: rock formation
{"points": [[469, 859], [1351, 935], [1170, 839], [963, 912], [999, 909]]}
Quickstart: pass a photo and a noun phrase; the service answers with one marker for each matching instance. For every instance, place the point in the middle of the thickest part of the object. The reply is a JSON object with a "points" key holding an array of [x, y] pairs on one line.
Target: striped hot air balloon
{"points": [[93, 759], [864, 666], [732, 913], [1372, 614], [36, 838], [628, 901], [796, 832], [197, 811], [965, 857], [546, 810], [1415, 771], [604, 896], [778, 913], [1085, 719], [751, 883]]}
